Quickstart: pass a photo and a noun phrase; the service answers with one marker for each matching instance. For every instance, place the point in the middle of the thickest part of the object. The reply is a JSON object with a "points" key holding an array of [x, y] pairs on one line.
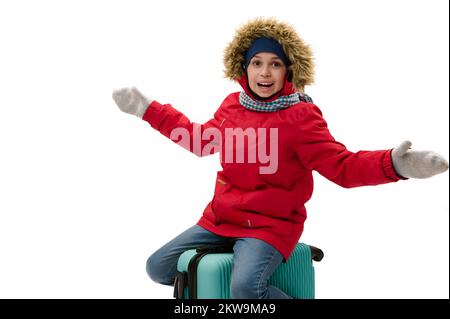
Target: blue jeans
{"points": [[254, 262]]}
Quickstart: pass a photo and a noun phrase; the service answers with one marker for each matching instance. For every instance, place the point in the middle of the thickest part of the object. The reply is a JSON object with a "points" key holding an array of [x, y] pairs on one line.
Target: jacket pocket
{"points": [[253, 220]]}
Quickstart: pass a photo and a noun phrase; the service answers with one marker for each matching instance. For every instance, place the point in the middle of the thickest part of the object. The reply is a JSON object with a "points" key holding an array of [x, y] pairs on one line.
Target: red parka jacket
{"points": [[271, 206]]}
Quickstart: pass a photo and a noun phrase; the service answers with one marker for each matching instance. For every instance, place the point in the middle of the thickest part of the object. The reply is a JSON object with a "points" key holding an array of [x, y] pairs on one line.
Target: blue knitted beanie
{"points": [[265, 45]]}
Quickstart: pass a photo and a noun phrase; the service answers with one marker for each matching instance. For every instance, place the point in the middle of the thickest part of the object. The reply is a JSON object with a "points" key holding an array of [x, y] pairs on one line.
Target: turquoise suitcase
{"points": [[205, 273]]}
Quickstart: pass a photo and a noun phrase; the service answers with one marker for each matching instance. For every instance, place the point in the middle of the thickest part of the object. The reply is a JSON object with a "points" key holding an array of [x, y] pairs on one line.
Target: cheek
{"points": [[251, 78], [280, 81], [251, 75], [281, 77]]}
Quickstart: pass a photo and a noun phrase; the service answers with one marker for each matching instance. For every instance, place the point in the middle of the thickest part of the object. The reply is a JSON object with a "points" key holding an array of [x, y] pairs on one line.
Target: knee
{"points": [[151, 267], [245, 288], [155, 271]]}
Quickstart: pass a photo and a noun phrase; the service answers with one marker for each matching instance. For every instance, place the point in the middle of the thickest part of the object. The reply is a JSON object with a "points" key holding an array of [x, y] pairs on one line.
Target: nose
{"points": [[265, 71]]}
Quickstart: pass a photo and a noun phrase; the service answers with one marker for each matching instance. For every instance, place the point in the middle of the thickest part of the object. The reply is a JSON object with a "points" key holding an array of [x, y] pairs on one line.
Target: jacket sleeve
{"points": [[200, 139], [318, 150]]}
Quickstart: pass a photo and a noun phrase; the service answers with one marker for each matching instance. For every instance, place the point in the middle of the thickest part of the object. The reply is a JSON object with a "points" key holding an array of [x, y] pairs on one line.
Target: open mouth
{"points": [[265, 85]]}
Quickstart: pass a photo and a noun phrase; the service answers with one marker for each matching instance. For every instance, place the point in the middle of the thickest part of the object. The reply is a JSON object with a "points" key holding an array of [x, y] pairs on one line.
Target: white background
{"points": [[87, 192]]}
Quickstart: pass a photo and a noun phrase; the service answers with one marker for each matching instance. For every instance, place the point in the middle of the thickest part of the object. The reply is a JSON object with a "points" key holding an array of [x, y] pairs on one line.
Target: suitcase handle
{"points": [[215, 249], [316, 253]]}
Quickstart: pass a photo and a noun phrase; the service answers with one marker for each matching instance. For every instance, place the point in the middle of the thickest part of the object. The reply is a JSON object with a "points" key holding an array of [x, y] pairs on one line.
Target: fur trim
{"points": [[299, 53]]}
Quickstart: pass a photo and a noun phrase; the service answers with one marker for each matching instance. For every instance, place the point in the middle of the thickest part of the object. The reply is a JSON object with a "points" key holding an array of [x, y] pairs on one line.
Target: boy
{"points": [[270, 137]]}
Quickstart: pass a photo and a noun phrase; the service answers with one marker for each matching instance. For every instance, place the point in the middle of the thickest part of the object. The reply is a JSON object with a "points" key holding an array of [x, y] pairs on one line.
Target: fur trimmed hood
{"points": [[299, 53]]}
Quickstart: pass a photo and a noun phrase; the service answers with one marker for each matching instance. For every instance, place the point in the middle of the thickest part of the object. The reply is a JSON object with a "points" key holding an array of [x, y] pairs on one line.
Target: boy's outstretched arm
{"points": [[196, 138], [318, 150], [417, 164]]}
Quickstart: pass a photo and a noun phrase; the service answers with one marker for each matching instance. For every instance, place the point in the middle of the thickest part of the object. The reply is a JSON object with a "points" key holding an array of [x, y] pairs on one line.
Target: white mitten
{"points": [[417, 164], [131, 101]]}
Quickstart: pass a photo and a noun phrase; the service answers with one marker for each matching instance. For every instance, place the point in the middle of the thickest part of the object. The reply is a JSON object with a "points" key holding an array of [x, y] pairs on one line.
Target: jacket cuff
{"points": [[152, 109], [388, 167]]}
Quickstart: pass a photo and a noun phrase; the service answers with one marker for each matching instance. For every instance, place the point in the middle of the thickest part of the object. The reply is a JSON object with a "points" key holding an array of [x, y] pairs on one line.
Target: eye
{"points": [[277, 64], [256, 63]]}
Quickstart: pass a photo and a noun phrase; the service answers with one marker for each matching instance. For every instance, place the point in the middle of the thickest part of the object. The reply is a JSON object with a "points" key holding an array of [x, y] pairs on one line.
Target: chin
{"points": [[264, 93]]}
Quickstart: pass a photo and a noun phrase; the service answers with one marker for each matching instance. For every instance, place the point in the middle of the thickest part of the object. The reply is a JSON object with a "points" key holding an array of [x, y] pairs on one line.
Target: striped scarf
{"points": [[280, 103]]}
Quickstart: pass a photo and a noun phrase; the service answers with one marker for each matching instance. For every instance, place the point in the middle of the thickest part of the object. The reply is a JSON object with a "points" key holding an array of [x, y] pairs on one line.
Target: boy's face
{"points": [[266, 74]]}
